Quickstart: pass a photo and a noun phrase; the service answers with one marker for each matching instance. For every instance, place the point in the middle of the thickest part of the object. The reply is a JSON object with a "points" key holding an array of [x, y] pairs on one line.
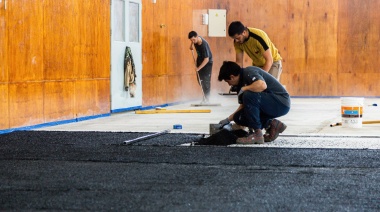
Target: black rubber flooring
{"points": [[95, 171]]}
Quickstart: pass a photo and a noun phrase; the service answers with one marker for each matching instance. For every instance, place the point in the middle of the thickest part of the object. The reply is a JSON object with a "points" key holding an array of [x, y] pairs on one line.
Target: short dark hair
{"points": [[236, 27], [192, 34], [227, 69]]}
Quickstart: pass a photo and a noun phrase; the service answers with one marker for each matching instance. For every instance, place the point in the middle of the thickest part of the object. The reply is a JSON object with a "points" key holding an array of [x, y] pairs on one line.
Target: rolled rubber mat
{"points": [[82, 138], [95, 171]]}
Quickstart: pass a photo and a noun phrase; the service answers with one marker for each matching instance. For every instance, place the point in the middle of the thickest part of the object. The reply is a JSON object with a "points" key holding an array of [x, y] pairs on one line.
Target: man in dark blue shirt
{"points": [[262, 99]]}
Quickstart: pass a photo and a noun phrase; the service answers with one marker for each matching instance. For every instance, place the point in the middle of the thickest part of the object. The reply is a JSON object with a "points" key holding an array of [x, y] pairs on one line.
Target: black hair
{"points": [[227, 69], [192, 34], [236, 27]]}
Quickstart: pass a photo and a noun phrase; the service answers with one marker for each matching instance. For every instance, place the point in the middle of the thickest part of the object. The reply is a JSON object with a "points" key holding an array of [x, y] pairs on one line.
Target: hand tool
{"points": [[146, 137], [172, 111], [199, 79], [364, 122]]}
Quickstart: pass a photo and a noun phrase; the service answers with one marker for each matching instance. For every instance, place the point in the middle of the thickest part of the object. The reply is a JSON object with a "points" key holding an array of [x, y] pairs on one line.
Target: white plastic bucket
{"points": [[352, 112]]}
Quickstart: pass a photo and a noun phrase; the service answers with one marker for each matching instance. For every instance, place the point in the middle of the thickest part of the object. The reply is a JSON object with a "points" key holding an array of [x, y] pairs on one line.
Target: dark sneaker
{"points": [[275, 128], [254, 138]]}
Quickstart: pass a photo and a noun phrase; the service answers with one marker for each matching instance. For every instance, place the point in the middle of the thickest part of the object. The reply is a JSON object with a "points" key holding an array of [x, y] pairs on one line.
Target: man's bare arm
{"points": [[268, 60], [239, 58]]}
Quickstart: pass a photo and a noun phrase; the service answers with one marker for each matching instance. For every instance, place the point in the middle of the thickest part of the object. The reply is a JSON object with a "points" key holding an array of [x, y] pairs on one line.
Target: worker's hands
{"points": [[224, 122], [240, 96]]}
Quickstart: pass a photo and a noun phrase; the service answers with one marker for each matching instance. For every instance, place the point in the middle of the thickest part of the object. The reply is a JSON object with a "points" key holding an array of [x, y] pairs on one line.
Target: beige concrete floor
{"points": [[308, 118]]}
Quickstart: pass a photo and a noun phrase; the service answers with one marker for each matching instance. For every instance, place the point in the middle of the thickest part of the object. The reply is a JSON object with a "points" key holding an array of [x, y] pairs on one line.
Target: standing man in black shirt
{"points": [[203, 62]]}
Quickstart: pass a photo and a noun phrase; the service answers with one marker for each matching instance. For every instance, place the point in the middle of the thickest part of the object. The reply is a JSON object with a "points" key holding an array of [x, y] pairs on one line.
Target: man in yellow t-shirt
{"points": [[257, 45]]}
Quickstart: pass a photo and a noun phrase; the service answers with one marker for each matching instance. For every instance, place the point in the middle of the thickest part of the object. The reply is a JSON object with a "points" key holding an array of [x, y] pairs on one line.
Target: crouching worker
{"points": [[262, 99]]}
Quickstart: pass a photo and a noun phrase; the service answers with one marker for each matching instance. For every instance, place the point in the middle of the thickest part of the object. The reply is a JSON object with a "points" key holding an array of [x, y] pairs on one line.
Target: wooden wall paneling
{"points": [[148, 90], [25, 47], [102, 96], [293, 83], [174, 88], [374, 39], [287, 80], [219, 4], [310, 84], [102, 39], [271, 18], [314, 49], [322, 84], [160, 37], [352, 84], [85, 98], [162, 90], [52, 44], [322, 40], [357, 84], [297, 43], [200, 4], [298, 84], [371, 85], [59, 100], [234, 10], [4, 106], [209, 4], [200, 28], [321, 36], [355, 34], [177, 66], [174, 43], [26, 104], [253, 14], [3, 44], [186, 62], [148, 45], [61, 33], [186, 11], [358, 52], [163, 53], [90, 60], [4, 81], [85, 44], [190, 88], [154, 90], [155, 72]]}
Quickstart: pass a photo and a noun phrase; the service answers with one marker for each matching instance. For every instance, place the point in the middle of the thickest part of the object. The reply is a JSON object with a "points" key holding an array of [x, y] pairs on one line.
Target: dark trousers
{"points": [[259, 109], [205, 77]]}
